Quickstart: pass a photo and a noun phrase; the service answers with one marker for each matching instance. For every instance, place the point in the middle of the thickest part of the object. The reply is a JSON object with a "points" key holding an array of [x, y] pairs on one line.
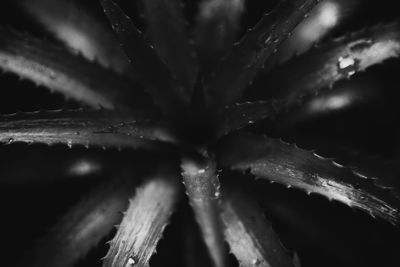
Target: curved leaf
{"points": [[325, 65], [280, 162], [58, 69]]}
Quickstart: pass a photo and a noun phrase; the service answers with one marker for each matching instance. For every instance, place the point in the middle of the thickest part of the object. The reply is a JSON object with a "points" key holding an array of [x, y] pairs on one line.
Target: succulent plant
{"points": [[199, 109]]}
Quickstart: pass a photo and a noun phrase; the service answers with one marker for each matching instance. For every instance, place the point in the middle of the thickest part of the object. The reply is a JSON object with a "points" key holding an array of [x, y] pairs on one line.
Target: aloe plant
{"points": [[197, 107]]}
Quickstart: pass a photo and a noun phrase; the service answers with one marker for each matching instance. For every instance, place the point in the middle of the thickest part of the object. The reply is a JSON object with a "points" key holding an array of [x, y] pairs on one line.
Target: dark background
{"points": [[36, 187]]}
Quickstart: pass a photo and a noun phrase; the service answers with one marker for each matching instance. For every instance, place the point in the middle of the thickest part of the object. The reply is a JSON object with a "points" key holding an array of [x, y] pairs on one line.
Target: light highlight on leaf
{"points": [[87, 128], [80, 30], [144, 222], [202, 187], [84, 226], [249, 235], [58, 69], [280, 162]]}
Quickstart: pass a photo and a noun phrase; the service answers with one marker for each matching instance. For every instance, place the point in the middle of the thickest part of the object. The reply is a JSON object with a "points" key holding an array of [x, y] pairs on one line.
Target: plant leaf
{"points": [[249, 235], [80, 29], [325, 65], [280, 162], [357, 93], [238, 69], [167, 31], [321, 21], [84, 226], [46, 166], [195, 252], [202, 187], [98, 128], [144, 222], [145, 61], [241, 115], [216, 29], [58, 69]]}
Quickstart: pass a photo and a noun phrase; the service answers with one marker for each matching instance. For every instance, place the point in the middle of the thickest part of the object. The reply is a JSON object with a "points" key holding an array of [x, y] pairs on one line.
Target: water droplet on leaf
{"points": [[131, 262], [347, 65]]}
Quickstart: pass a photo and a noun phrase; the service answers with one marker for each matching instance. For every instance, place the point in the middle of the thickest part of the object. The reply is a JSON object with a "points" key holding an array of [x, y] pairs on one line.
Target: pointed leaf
{"points": [[84, 226], [195, 252], [217, 25], [145, 61], [325, 65], [280, 162], [238, 69], [80, 29], [99, 128], [167, 31], [202, 187], [321, 21], [241, 115], [144, 222], [55, 67], [249, 235]]}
